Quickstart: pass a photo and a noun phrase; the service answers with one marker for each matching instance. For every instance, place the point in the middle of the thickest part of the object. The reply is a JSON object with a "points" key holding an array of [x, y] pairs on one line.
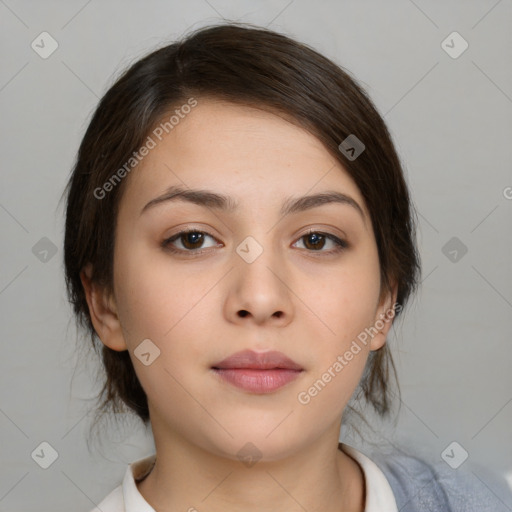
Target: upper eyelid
{"points": [[200, 230]]}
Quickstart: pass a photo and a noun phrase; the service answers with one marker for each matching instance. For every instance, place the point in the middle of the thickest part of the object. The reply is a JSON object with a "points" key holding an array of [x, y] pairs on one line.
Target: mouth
{"points": [[258, 372]]}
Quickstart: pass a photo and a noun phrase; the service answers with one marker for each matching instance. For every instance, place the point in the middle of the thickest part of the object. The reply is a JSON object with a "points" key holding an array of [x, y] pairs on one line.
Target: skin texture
{"points": [[299, 299]]}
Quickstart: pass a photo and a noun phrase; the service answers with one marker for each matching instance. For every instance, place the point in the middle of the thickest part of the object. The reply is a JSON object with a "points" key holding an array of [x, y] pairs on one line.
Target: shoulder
{"points": [[113, 502], [420, 485], [126, 496]]}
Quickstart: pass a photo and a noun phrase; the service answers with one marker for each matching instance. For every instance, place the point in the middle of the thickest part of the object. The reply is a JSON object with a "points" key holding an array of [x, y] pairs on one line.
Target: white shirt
{"points": [[127, 498]]}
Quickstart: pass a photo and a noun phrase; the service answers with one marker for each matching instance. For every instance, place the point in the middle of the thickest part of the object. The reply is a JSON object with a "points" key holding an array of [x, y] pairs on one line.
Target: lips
{"points": [[258, 372], [258, 360]]}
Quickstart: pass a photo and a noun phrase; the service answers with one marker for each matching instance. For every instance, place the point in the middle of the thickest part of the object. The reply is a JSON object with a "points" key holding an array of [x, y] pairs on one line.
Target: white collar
{"points": [[379, 495]]}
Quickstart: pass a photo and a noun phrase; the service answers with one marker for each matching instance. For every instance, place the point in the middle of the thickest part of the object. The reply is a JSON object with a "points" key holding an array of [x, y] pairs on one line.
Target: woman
{"points": [[240, 238]]}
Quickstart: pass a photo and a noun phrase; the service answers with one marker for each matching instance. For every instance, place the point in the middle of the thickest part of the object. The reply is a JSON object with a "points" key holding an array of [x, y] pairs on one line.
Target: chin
{"points": [[250, 446]]}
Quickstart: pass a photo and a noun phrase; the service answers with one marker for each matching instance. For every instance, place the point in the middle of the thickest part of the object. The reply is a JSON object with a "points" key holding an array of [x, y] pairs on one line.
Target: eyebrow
{"points": [[225, 203]]}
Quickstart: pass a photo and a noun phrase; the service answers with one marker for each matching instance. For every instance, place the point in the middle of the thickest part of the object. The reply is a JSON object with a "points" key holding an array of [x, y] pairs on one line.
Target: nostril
{"points": [[243, 313]]}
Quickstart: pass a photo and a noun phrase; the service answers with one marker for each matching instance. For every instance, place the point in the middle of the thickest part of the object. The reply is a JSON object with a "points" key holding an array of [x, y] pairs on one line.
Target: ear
{"points": [[103, 311], [384, 317]]}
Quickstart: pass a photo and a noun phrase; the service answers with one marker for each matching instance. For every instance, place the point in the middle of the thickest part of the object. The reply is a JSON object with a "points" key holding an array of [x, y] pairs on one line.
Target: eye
{"points": [[190, 241], [316, 240]]}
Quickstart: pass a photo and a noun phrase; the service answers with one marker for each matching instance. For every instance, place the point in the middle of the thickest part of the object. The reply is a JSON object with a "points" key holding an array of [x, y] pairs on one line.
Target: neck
{"points": [[320, 477]]}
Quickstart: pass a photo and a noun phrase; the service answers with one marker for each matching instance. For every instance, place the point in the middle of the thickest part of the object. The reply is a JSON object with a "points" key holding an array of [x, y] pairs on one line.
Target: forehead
{"points": [[250, 154]]}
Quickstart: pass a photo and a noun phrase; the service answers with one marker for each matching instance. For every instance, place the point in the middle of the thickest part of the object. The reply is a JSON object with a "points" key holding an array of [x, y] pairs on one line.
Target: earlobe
{"points": [[103, 312], [384, 319]]}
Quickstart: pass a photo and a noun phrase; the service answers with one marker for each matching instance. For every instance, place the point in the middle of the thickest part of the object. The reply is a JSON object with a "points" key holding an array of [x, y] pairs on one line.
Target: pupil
{"points": [[193, 238], [316, 239]]}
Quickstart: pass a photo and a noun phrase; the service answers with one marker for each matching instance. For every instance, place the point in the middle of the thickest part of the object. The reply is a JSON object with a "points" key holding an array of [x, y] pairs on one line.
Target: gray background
{"points": [[451, 119]]}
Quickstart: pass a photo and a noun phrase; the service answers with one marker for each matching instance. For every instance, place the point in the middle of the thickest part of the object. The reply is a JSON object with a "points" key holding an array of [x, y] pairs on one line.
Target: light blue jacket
{"points": [[422, 487]]}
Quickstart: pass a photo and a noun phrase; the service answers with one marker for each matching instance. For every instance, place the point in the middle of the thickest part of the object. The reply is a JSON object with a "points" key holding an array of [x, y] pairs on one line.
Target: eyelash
{"points": [[341, 245]]}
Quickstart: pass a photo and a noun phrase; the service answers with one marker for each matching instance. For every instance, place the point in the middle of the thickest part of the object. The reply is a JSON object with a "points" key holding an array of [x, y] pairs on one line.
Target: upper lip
{"points": [[258, 360]]}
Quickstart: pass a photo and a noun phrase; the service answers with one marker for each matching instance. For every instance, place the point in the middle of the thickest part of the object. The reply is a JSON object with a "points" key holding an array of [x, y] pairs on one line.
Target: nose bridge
{"points": [[259, 286], [258, 258]]}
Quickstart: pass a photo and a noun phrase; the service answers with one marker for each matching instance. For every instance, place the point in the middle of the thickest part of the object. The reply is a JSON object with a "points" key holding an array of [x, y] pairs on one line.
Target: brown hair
{"points": [[252, 66]]}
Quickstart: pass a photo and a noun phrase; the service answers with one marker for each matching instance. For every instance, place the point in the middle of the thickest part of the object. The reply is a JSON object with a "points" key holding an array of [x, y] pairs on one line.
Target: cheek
{"points": [[347, 307], [327, 394], [170, 308], [347, 301], [155, 296]]}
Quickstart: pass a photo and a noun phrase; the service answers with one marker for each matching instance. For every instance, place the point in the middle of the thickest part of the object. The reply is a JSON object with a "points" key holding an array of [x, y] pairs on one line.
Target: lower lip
{"points": [[258, 381]]}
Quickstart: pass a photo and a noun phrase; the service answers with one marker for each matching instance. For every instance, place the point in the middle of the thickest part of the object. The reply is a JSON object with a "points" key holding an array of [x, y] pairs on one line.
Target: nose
{"points": [[260, 292]]}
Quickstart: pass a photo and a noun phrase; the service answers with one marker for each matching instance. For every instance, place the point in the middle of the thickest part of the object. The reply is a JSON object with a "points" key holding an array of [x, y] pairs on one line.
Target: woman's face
{"points": [[249, 278]]}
